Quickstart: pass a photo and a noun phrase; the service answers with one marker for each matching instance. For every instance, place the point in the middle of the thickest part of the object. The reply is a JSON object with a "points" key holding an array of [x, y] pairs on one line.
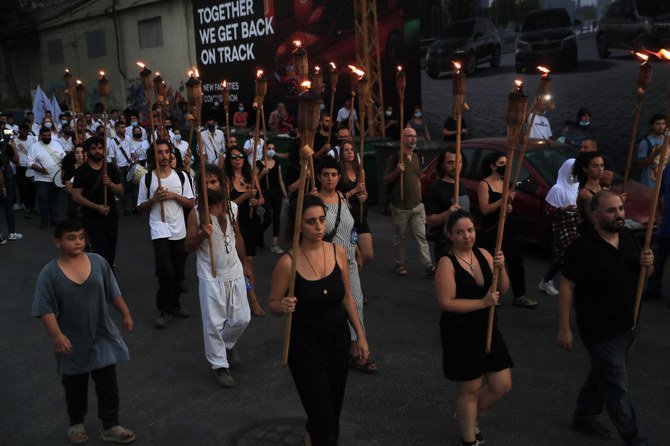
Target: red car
{"points": [[538, 175], [328, 35]]}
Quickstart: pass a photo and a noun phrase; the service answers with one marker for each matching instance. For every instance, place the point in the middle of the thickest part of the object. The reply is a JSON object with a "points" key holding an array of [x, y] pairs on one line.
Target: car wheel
{"points": [[471, 63], [433, 75], [603, 52], [495, 60]]}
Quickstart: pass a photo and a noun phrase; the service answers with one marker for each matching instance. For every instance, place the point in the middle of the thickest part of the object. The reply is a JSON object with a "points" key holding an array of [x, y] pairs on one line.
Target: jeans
{"points": [[106, 389], [8, 204], [606, 386], [47, 200], [661, 248], [416, 219], [26, 188]]}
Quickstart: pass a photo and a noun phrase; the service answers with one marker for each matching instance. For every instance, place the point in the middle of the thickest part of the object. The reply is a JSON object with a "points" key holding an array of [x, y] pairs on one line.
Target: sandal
{"points": [[118, 434], [368, 368], [400, 270], [256, 309], [76, 434]]}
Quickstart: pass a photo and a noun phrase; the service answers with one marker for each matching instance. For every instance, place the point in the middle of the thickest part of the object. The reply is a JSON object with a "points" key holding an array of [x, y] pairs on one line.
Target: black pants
{"points": [[319, 363], [26, 188], [127, 197], [106, 389], [103, 236], [272, 216], [169, 257], [513, 258]]}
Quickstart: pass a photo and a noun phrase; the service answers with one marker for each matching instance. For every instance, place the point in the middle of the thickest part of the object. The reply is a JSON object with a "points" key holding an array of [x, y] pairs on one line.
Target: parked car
{"points": [[634, 25], [538, 174], [471, 42], [547, 38]]}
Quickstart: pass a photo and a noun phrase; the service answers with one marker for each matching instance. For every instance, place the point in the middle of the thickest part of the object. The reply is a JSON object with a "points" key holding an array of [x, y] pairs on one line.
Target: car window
{"points": [[547, 162], [480, 28], [459, 29], [548, 19], [469, 155]]}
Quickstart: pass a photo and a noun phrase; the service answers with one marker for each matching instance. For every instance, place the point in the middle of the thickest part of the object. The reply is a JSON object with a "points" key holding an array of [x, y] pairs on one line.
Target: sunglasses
{"points": [[237, 157]]}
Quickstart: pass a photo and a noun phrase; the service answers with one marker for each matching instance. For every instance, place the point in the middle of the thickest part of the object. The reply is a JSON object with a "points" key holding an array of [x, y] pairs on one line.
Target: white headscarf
{"points": [[564, 192]]}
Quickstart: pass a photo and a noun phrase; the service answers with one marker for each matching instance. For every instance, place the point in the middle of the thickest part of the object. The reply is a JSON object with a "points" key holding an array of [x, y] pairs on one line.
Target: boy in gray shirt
{"points": [[72, 297]]}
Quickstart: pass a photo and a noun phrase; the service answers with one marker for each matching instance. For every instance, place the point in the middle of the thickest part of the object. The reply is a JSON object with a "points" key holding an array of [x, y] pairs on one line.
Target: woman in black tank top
{"points": [[320, 341], [463, 282]]}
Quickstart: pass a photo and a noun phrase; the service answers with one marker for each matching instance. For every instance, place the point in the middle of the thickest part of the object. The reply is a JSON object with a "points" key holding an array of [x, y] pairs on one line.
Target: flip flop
{"points": [[400, 270], [76, 434], [119, 435]]}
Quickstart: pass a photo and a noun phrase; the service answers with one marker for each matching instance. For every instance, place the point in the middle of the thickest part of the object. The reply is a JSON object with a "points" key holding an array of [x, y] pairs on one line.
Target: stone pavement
{"points": [[606, 87], [168, 393]]}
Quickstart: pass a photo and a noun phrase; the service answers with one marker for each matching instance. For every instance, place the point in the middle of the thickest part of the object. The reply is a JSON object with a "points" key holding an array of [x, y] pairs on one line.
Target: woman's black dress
{"points": [[249, 227], [319, 353], [464, 356]]}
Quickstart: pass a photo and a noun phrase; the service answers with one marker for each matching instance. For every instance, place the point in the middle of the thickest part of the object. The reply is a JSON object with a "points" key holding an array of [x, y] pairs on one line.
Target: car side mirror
{"points": [[528, 186]]}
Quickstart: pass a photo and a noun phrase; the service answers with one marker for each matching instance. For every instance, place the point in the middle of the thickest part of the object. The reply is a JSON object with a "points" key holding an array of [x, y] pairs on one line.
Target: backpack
{"points": [[180, 174]]}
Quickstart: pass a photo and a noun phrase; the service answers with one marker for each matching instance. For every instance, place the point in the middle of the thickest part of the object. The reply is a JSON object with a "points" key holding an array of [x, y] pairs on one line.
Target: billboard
{"points": [[235, 38]]}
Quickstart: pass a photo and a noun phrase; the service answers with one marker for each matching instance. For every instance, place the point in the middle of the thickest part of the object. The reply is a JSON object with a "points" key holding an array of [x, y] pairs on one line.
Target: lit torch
{"points": [[356, 75], [334, 77], [103, 91], [458, 90], [516, 114], [300, 62], [401, 84], [317, 78], [261, 90]]}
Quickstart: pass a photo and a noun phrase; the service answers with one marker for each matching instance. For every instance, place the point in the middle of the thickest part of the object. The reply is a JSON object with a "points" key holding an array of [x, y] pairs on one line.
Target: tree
{"points": [[460, 9]]}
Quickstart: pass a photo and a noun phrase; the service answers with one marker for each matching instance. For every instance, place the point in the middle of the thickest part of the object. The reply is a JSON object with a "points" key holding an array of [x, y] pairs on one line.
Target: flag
{"points": [[40, 105], [55, 107]]}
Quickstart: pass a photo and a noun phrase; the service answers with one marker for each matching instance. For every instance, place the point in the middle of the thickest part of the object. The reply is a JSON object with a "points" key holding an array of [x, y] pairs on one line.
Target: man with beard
{"points": [[213, 142], [440, 199], [44, 157], [170, 199], [100, 220], [410, 210], [324, 136], [601, 272]]}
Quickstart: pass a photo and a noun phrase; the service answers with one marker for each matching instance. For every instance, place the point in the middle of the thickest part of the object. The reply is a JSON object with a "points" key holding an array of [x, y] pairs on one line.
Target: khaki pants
{"points": [[416, 219]]}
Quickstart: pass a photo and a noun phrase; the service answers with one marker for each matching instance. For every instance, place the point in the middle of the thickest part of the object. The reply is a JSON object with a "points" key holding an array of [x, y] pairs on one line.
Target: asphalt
{"points": [[168, 393]]}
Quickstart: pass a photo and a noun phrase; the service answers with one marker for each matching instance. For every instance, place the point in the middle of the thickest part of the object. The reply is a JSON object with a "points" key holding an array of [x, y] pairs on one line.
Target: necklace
{"points": [[470, 263], [325, 290]]}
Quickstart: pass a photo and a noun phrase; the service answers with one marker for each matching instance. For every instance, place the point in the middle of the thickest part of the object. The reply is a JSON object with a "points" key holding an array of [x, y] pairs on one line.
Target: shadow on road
{"points": [[590, 66]]}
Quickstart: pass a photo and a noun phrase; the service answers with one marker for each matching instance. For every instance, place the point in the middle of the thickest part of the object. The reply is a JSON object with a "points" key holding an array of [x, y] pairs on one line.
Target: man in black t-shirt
{"points": [[449, 127], [100, 221], [439, 199], [324, 137], [601, 271]]}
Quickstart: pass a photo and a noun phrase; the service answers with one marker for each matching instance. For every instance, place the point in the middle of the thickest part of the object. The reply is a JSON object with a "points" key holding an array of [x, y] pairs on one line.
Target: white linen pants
{"points": [[225, 315]]}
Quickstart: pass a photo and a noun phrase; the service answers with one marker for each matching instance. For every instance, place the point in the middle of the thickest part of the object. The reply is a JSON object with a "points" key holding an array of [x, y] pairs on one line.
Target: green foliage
{"points": [[504, 12]]}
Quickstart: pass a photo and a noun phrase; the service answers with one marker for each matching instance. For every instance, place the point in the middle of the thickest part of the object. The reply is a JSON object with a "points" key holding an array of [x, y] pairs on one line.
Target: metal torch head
{"points": [[145, 78], [334, 76], [363, 88], [160, 88], [317, 78], [459, 80], [301, 64], [80, 89], [644, 76], [261, 86], [400, 81], [69, 81]]}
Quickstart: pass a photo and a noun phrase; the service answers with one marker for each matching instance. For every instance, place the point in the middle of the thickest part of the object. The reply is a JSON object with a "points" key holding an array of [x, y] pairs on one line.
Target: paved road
{"points": [[606, 87], [168, 394]]}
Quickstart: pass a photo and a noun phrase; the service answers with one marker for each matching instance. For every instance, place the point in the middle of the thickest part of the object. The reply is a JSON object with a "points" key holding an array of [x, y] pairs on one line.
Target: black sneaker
{"points": [[182, 313], [223, 378], [233, 358], [163, 320], [593, 429]]}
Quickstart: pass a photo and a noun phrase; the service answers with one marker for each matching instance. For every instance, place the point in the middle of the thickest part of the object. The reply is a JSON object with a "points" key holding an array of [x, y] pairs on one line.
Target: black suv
{"points": [[470, 42], [546, 38], [634, 25]]}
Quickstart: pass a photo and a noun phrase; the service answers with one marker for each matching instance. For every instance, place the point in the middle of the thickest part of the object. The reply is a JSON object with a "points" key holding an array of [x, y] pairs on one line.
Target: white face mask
{"points": [[177, 138]]}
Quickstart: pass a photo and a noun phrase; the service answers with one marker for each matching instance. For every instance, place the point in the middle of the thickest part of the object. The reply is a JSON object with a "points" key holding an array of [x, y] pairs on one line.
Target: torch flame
{"points": [[190, 73], [259, 73], [357, 71], [306, 84], [332, 66], [67, 71], [297, 43], [457, 65], [544, 70], [399, 68], [643, 57], [225, 84], [197, 73], [140, 64], [157, 74], [102, 74], [662, 54], [317, 69], [78, 82], [519, 83]]}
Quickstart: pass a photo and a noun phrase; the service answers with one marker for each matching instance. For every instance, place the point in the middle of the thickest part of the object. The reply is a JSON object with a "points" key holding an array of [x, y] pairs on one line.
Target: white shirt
{"points": [[170, 134], [213, 144], [228, 264], [174, 227], [35, 129], [259, 150], [123, 147], [67, 144], [129, 132], [182, 146], [541, 128], [23, 148], [39, 154], [139, 148]]}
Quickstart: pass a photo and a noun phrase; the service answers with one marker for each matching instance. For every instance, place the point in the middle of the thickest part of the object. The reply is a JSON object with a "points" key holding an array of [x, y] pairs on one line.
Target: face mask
{"points": [[137, 135], [48, 125], [584, 123], [135, 124], [46, 141], [216, 104], [177, 138], [211, 127], [63, 122], [241, 109], [417, 114], [271, 153], [501, 170], [323, 106], [388, 113]]}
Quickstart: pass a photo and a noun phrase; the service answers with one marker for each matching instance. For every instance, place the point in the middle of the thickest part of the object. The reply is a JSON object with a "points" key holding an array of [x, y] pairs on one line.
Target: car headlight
{"points": [[459, 51], [522, 45]]}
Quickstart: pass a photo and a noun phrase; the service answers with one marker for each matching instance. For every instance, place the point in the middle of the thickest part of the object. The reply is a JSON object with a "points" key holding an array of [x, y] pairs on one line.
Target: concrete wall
{"points": [[172, 59]]}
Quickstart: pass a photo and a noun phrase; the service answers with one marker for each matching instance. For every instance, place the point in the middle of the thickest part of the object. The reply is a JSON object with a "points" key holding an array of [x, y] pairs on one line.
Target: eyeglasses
{"points": [[237, 157], [226, 242]]}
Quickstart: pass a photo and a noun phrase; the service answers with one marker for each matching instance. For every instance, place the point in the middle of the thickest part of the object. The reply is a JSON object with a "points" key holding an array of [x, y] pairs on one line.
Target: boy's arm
{"points": [[60, 342], [120, 305]]}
